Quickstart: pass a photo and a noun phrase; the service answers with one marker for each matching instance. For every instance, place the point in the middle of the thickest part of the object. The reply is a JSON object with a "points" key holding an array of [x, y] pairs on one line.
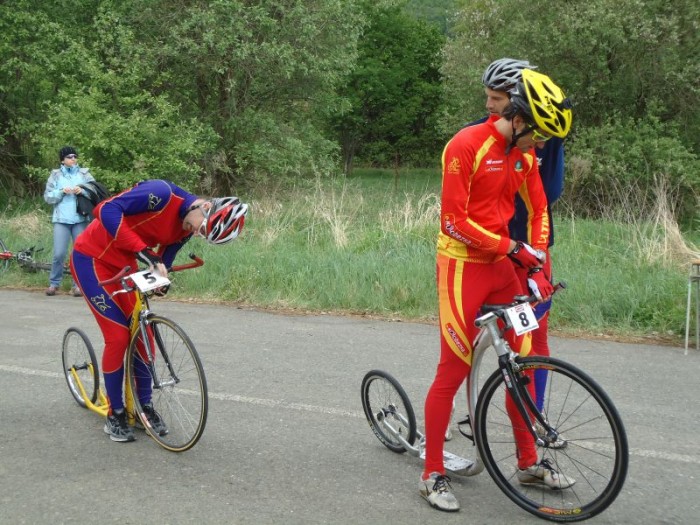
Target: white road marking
{"points": [[302, 407]]}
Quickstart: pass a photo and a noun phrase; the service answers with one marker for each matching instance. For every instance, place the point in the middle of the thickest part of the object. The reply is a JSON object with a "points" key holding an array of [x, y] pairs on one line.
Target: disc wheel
{"points": [[78, 356], [590, 446], [178, 388], [388, 410]]}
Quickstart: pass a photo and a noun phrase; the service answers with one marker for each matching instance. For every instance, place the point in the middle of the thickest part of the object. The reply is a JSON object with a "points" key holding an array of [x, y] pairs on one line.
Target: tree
{"points": [[395, 92], [263, 74], [221, 92], [625, 65]]}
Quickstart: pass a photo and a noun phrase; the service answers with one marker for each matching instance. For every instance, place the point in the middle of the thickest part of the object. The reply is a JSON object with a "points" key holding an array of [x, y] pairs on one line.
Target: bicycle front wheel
{"points": [[80, 366], [591, 448], [173, 382]]}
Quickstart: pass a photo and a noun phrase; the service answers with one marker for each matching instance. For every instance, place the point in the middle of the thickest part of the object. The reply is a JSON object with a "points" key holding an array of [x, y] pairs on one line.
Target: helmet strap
{"points": [[517, 135]]}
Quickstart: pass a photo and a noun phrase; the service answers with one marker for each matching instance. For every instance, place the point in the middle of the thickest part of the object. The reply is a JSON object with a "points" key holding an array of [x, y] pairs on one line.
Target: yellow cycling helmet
{"points": [[544, 102]]}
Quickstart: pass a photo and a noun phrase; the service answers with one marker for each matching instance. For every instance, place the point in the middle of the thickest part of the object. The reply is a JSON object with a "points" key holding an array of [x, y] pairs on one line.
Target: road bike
{"points": [[159, 352], [26, 259], [578, 430]]}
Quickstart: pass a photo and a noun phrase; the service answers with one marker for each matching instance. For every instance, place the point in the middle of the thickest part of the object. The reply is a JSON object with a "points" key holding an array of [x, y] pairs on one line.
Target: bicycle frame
{"points": [[490, 336], [590, 456], [24, 258]]}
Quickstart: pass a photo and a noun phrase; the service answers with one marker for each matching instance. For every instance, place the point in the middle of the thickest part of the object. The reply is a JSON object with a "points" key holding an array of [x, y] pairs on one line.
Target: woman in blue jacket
{"points": [[61, 191]]}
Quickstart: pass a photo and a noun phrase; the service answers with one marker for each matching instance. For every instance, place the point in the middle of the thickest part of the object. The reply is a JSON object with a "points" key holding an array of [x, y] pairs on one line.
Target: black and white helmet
{"points": [[504, 73]]}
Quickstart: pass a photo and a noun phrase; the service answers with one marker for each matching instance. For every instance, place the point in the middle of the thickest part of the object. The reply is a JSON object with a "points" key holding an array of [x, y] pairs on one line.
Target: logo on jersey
{"points": [[518, 165], [453, 167], [452, 231], [457, 341], [153, 201], [489, 162], [100, 302]]}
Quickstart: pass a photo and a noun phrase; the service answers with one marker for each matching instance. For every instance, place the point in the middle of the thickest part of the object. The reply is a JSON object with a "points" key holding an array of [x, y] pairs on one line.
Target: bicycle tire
{"points": [[77, 354], [596, 454], [4, 263], [384, 400], [182, 402]]}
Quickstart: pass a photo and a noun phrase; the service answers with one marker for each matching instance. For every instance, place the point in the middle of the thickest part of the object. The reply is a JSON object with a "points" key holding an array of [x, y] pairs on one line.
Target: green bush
{"points": [[606, 164]]}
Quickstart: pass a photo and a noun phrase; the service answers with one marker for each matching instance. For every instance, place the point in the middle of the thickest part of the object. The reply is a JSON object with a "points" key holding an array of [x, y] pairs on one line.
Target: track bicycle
{"points": [[578, 431], [25, 258], [159, 352]]}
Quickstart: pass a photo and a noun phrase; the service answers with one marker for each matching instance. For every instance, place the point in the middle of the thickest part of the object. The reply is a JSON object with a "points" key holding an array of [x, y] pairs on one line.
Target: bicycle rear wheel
{"points": [[79, 356], [388, 408], [180, 393], [4, 262], [594, 453]]}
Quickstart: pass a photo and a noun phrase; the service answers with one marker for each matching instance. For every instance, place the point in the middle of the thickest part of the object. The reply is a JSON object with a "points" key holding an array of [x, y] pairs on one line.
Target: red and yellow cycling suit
{"points": [[479, 183]]}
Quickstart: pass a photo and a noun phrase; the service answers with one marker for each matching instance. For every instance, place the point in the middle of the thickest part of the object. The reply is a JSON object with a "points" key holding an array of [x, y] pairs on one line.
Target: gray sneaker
{"points": [[438, 492], [543, 473], [155, 421], [118, 429]]}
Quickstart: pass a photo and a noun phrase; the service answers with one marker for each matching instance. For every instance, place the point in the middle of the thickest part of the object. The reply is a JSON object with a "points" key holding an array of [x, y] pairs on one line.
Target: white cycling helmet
{"points": [[225, 219], [504, 73]]}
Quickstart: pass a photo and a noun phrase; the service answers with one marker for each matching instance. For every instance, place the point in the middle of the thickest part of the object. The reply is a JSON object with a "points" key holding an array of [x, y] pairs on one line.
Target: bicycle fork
{"points": [[516, 384], [147, 329]]}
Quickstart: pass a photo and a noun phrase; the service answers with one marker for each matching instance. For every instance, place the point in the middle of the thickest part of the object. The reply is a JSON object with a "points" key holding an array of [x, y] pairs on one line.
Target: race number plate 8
{"points": [[522, 317], [149, 280]]}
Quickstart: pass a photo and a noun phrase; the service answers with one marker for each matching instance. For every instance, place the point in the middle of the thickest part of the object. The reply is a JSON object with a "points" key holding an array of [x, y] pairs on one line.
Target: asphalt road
{"points": [[286, 440]]}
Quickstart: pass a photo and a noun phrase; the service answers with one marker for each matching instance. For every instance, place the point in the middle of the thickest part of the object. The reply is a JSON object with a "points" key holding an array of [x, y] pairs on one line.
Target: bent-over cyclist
{"points": [[150, 223]]}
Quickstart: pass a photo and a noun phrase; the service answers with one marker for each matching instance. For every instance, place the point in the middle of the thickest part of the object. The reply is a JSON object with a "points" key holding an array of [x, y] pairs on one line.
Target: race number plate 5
{"points": [[522, 317], [149, 280]]}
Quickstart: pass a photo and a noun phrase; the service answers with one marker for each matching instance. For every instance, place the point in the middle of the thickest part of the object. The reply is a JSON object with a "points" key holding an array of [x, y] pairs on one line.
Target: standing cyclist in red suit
{"points": [[148, 223], [499, 78], [484, 166]]}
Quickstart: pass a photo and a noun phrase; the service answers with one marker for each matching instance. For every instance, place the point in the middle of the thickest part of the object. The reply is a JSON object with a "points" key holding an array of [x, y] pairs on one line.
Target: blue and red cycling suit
{"points": [[149, 215]]}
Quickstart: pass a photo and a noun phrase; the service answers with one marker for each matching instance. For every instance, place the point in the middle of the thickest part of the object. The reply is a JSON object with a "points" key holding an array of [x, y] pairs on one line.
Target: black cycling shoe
{"points": [[118, 429], [155, 421]]}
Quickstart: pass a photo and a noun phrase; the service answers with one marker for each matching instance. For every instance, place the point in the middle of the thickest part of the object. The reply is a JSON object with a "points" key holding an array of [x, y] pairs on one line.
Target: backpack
{"points": [[93, 193]]}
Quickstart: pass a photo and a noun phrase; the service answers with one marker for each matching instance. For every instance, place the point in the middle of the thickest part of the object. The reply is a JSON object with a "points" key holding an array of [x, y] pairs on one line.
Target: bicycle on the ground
{"points": [[26, 259], [157, 345], [578, 431]]}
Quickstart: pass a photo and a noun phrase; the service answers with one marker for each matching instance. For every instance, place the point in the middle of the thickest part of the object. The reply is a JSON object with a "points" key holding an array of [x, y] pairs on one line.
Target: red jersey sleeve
{"points": [[535, 199]]}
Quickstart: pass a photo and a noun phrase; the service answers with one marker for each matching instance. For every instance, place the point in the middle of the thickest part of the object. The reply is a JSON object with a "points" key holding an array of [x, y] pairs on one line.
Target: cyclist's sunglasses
{"points": [[538, 135], [71, 156], [202, 230]]}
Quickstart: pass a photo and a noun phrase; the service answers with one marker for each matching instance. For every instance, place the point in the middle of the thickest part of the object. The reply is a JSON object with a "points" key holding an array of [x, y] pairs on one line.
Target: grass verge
{"points": [[366, 245]]}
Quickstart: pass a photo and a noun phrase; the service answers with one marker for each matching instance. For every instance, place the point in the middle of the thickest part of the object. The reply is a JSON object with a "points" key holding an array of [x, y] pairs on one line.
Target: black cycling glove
{"points": [[149, 257]]}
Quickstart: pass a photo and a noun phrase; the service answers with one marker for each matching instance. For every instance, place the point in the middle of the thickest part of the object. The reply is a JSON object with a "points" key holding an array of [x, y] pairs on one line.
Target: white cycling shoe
{"points": [[438, 493]]}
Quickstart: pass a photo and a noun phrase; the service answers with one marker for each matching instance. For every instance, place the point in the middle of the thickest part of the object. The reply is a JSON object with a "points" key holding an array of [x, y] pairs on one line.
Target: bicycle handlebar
{"points": [[518, 299], [127, 270], [197, 262]]}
